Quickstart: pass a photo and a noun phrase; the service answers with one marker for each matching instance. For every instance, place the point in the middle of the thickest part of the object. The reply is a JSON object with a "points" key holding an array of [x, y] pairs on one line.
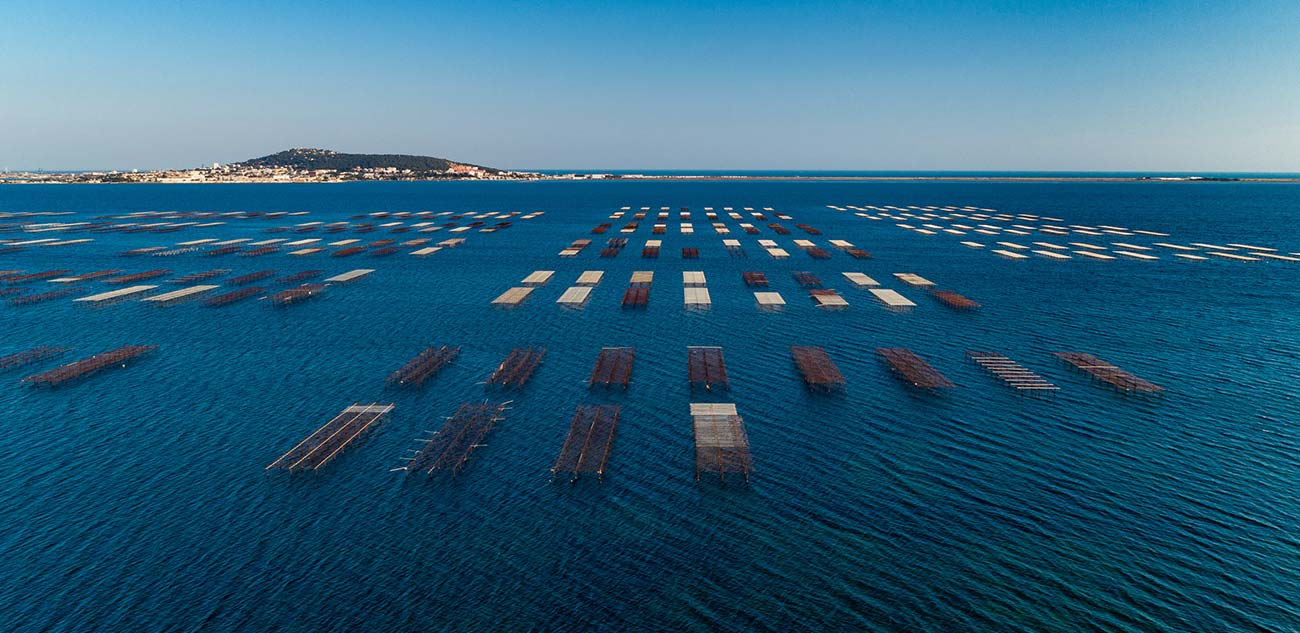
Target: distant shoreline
{"points": [[703, 178]]}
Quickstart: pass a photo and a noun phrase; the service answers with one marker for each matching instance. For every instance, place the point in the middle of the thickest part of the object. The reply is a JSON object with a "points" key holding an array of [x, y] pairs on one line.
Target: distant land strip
{"points": [[308, 165]]}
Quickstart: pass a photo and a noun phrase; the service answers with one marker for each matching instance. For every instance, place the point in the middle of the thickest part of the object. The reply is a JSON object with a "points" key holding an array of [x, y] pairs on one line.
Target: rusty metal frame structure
{"points": [[1012, 373], [613, 367], [706, 367], [328, 441], [425, 365], [518, 367], [954, 300], [1107, 373], [817, 368], [586, 447], [912, 368], [452, 445], [721, 446], [77, 369]]}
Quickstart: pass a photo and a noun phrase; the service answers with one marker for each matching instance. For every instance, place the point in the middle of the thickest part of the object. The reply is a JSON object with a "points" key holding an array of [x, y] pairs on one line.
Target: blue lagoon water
{"points": [[137, 499]]}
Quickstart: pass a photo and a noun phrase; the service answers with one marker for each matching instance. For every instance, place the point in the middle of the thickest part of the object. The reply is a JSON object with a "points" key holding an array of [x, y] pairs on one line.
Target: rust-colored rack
{"points": [[518, 367], [806, 279], [754, 279], [297, 294], [817, 368], [613, 367], [1107, 373], [425, 365], [328, 441], [27, 357], [126, 279], [451, 446], [586, 447], [244, 280], [233, 296], [706, 367], [636, 296], [86, 366], [199, 276], [912, 368], [954, 300], [721, 444]]}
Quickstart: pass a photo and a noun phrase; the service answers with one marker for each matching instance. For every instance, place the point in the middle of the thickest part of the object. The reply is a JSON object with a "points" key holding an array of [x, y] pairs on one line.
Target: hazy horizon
{"points": [[891, 86]]}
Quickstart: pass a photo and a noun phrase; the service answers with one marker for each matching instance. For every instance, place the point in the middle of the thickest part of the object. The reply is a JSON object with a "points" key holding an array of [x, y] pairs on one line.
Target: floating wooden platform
{"points": [[513, 296], [696, 297], [754, 279], [351, 275], [693, 278], [451, 446], [825, 298], [817, 368], [769, 300], [176, 296], [1107, 373], [1012, 373], [891, 298], [114, 295], [575, 296], [860, 280], [721, 445], [537, 278], [590, 277], [425, 365], [86, 366], [27, 357], [706, 367], [322, 446], [914, 280], [518, 367], [613, 367], [912, 368], [586, 447]]}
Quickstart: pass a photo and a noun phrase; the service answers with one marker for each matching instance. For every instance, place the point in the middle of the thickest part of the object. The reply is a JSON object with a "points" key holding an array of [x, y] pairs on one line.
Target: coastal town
{"points": [[254, 172]]}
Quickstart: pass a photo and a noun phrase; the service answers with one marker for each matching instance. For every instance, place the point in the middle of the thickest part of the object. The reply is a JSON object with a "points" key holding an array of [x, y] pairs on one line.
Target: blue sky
{"points": [[658, 85]]}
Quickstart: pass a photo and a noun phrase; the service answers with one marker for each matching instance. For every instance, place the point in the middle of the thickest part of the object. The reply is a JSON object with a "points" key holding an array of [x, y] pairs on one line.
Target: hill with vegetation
{"points": [[310, 159]]}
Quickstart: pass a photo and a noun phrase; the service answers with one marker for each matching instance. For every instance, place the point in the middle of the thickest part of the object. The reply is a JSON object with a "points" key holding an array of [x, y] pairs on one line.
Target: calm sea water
{"points": [[137, 500]]}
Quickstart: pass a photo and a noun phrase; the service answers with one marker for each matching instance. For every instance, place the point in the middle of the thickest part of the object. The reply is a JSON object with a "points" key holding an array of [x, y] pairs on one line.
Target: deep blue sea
{"points": [[137, 500]]}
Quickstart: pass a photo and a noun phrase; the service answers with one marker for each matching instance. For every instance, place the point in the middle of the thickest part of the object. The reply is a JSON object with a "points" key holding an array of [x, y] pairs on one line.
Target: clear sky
{"points": [[912, 84]]}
